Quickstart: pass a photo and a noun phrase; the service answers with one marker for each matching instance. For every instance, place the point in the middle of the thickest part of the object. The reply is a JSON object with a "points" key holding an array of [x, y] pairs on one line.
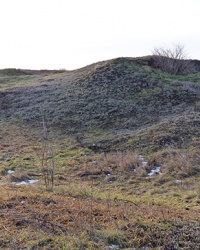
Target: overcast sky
{"points": [[55, 34]]}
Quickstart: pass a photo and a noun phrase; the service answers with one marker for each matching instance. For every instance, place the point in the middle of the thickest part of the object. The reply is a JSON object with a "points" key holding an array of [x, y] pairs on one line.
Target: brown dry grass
{"points": [[29, 212], [101, 199]]}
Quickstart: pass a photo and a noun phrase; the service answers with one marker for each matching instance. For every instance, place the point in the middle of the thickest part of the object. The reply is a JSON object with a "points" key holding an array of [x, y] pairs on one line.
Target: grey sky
{"points": [[69, 34]]}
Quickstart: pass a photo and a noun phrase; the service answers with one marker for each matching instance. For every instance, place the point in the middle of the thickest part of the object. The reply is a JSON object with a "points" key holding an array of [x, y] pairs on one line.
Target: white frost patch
{"points": [[10, 171], [154, 171], [113, 246], [24, 182]]}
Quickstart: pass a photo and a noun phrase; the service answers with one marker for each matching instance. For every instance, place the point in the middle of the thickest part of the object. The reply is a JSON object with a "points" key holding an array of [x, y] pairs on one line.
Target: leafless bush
{"points": [[46, 155], [173, 61]]}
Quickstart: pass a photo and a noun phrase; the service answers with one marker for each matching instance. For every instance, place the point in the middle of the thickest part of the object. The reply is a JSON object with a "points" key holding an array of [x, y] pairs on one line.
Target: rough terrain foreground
{"points": [[112, 152]]}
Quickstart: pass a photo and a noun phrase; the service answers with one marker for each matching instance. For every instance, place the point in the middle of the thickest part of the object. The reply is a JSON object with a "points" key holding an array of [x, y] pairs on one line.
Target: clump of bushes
{"points": [[173, 61]]}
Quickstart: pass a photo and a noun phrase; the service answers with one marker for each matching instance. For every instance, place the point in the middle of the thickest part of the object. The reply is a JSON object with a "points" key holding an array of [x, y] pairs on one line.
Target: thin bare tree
{"points": [[174, 60], [47, 158]]}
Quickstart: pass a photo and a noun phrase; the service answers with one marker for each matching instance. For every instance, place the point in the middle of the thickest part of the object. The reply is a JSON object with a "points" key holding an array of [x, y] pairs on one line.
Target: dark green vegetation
{"points": [[100, 119]]}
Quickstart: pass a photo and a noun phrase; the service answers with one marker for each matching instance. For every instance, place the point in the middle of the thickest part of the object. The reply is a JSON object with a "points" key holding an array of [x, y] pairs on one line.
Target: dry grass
{"points": [[28, 213], [176, 162], [124, 161], [101, 199], [90, 212]]}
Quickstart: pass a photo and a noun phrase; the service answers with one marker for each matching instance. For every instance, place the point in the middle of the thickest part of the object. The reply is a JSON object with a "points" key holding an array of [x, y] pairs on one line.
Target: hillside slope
{"points": [[103, 157], [123, 96]]}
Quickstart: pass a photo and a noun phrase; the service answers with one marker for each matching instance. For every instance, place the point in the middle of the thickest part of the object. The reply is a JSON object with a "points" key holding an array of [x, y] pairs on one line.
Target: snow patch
{"points": [[141, 158], [113, 246], [144, 163], [178, 181], [24, 182], [154, 171], [10, 171]]}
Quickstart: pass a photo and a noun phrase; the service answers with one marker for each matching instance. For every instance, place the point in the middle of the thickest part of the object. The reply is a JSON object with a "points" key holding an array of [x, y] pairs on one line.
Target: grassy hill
{"points": [[107, 126]]}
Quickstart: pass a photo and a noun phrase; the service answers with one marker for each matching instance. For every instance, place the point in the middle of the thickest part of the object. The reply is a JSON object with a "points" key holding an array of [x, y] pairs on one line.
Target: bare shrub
{"points": [[46, 155], [173, 61], [48, 162]]}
